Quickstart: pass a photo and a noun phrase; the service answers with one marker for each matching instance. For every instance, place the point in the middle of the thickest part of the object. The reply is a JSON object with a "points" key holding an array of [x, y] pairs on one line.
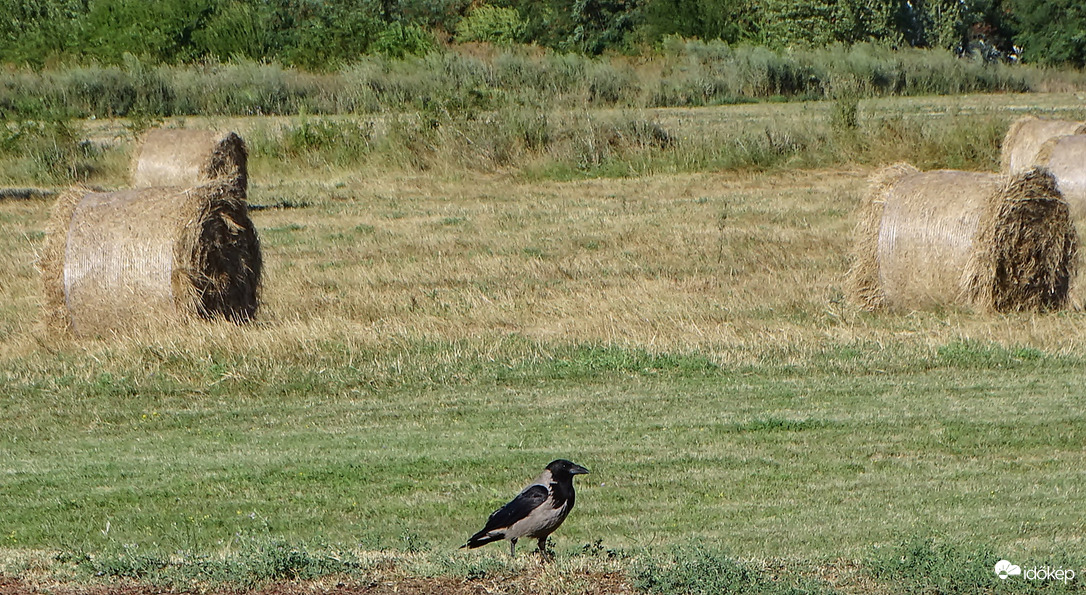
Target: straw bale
{"points": [[1065, 157], [1026, 247], [1025, 137], [183, 157], [114, 261], [863, 282], [939, 238]]}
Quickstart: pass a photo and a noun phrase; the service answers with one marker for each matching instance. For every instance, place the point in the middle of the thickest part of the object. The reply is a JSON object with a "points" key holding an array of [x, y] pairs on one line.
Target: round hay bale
{"points": [[1065, 158], [182, 157], [1025, 137], [939, 238], [863, 283], [1026, 247], [114, 261]]}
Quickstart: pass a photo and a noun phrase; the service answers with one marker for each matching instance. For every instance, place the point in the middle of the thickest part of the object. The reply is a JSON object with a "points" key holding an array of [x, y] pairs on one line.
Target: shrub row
{"points": [[684, 73]]}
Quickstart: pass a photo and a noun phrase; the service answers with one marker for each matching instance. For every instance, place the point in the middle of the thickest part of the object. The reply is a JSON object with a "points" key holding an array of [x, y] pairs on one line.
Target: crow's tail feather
{"points": [[480, 539]]}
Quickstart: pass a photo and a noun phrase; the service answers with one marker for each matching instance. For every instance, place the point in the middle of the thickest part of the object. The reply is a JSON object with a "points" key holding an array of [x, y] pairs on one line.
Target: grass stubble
{"points": [[428, 338]]}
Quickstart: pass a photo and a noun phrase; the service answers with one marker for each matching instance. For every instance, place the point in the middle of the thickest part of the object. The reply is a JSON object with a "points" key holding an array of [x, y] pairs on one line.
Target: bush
{"points": [[685, 73], [51, 152], [399, 41], [491, 24], [335, 33], [236, 30], [338, 142]]}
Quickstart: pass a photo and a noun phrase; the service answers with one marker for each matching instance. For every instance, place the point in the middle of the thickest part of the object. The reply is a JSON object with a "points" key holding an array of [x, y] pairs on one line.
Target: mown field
{"points": [[662, 304]]}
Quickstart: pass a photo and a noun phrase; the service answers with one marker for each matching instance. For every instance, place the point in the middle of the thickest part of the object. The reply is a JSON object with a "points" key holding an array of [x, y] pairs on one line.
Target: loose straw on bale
{"points": [[114, 261], [1027, 135], [185, 158], [960, 238]]}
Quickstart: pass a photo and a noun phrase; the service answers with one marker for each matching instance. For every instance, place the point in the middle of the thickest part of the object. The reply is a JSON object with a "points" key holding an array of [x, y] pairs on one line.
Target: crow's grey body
{"points": [[536, 512]]}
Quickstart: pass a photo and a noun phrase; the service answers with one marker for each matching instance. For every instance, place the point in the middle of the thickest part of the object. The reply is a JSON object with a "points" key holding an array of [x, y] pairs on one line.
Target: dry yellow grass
{"points": [[733, 265], [669, 262]]}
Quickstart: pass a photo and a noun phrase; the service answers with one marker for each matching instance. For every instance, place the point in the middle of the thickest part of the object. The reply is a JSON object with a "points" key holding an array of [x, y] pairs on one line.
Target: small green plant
{"points": [[845, 114], [845, 108], [318, 140], [257, 559], [924, 564], [120, 561], [974, 354], [698, 570]]}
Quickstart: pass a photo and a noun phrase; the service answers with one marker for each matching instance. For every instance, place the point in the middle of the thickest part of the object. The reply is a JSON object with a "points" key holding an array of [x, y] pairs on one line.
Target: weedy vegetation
{"points": [[476, 78], [452, 300]]}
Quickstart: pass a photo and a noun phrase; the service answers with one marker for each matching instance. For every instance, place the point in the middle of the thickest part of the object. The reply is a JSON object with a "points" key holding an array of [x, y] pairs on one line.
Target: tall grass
{"points": [[540, 144], [684, 73], [54, 152]]}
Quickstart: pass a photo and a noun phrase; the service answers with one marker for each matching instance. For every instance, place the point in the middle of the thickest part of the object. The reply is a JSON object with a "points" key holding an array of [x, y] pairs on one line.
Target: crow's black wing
{"points": [[517, 509]]}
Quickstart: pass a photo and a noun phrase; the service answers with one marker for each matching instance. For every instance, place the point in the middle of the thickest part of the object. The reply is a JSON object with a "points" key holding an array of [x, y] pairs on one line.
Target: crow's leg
{"points": [[543, 547], [513, 547]]}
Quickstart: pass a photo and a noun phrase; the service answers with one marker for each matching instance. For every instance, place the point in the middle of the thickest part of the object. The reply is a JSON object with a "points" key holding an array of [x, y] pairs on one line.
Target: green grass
{"points": [[929, 564], [977, 445], [809, 463], [431, 336], [697, 570]]}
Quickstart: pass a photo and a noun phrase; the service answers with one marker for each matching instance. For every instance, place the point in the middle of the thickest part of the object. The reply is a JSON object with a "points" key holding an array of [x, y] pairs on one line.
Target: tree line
{"points": [[323, 34]]}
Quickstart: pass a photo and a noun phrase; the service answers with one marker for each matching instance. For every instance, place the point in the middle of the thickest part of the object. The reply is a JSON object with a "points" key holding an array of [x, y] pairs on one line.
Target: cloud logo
{"points": [[1004, 568]]}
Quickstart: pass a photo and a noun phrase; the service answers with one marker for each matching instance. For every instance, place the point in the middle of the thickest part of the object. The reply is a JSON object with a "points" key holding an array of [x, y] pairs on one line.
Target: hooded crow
{"points": [[536, 512]]}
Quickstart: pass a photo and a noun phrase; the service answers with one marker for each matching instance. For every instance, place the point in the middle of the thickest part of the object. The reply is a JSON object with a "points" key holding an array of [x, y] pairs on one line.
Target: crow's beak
{"points": [[577, 470]]}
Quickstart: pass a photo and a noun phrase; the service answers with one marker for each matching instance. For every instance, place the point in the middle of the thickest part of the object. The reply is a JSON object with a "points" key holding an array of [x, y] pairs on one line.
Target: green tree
{"points": [[728, 20], [798, 22], [816, 23], [491, 24], [587, 26], [430, 14], [856, 21], [32, 31], [238, 29], [546, 22], [990, 23], [398, 40], [1051, 31], [937, 24], [325, 34], [598, 25], [158, 29]]}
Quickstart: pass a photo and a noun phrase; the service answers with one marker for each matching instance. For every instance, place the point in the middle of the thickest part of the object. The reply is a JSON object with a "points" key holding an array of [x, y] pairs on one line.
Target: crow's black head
{"points": [[564, 468]]}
